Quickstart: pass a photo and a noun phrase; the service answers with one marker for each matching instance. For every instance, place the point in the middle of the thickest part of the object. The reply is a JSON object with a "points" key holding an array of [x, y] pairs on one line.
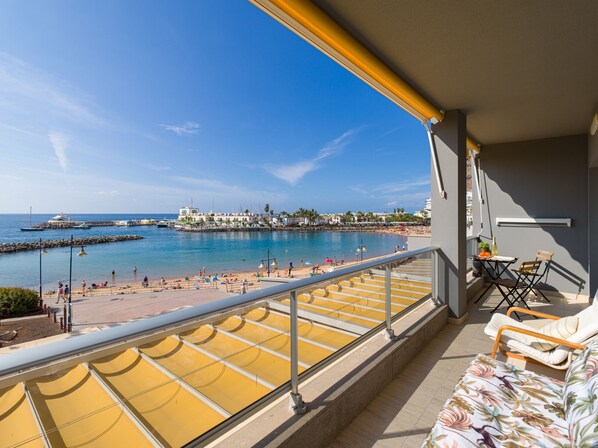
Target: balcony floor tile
{"points": [[403, 414]]}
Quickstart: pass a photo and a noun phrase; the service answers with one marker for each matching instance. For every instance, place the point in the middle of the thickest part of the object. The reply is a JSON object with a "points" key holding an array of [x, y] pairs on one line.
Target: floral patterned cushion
{"points": [[497, 404], [581, 398]]}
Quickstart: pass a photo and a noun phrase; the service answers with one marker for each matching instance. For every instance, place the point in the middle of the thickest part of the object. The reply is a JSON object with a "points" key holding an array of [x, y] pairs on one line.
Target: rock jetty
{"points": [[34, 245]]}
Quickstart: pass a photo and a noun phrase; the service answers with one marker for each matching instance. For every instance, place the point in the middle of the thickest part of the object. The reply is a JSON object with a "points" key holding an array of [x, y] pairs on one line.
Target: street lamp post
{"points": [[268, 264], [81, 253], [360, 250], [42, 251]]}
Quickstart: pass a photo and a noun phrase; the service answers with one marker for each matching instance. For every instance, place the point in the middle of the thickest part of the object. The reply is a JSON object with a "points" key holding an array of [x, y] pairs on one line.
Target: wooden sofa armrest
{"points": [[532, 312], [534, 334]]}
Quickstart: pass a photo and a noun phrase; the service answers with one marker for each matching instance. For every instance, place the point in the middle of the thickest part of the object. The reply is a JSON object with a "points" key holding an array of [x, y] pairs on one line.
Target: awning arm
{"points": [[475, 175], [434, 157]]}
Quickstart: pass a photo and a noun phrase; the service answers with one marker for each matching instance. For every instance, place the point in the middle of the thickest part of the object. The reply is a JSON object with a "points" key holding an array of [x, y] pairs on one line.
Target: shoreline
{"points": [[130, 282], [228, 282]]}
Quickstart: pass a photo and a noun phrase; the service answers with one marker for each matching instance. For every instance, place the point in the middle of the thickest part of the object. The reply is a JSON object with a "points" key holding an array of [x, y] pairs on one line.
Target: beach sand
{"points": [[228, 282]]}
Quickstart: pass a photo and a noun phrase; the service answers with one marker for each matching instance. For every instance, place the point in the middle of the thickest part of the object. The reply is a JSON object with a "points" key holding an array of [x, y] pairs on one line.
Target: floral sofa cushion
{"points": [[497, 404], [581, 398]]}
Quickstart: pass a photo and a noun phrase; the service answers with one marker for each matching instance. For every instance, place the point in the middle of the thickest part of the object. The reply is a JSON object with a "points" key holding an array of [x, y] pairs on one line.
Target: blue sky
{"points": [[139, 106]]}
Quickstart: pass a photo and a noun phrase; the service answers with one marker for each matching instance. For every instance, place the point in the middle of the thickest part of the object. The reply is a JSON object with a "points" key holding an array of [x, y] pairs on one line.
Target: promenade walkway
{"points": [[109, 310]]}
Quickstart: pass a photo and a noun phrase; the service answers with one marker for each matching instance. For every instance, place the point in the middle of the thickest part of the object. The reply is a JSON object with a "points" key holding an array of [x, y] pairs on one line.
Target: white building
{"points": [[218, 219], [427, 210], [188, 212], [468, 208]]}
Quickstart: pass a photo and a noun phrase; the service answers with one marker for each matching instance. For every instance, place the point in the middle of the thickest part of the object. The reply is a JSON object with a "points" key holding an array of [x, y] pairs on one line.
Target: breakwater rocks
{"points": [[71, 224], [6, 248]]}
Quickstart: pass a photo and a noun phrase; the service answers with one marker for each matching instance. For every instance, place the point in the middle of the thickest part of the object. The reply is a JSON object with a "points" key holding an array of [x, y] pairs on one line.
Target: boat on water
{"points": [[31, 228], [124, 223], [162, 224], [61, 217], [82, 226]]}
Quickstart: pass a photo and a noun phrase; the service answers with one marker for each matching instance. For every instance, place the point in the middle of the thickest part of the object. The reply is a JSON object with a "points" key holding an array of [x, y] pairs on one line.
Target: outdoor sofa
{"points": [[499, 405]]}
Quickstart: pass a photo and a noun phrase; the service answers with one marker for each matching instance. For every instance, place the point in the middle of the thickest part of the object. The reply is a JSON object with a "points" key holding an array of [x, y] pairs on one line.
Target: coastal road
{"points": [[105, 311]]}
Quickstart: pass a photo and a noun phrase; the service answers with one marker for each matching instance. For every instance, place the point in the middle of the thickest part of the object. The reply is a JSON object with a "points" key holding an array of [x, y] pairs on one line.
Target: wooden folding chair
{"points": [[546, 257], [526, 274]]}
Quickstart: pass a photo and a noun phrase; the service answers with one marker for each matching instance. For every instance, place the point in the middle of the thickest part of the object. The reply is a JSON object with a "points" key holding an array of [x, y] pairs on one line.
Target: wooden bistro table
{"points": [[495, 267]]}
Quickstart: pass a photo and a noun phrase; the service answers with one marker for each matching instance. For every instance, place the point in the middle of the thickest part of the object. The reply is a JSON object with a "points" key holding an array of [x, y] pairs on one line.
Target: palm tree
{"points": [[347, 217], [312, 216], [266, 208]]}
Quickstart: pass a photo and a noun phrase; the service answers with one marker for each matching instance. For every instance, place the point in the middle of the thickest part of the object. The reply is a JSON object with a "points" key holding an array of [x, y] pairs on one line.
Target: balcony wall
{"points": [[541, 179], [593, 210]]}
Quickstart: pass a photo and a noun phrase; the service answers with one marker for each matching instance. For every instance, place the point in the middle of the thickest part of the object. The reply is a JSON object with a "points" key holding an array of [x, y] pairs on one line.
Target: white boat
{"points": [[61, 217], [124, 223], [82, 226], [162, 224]]}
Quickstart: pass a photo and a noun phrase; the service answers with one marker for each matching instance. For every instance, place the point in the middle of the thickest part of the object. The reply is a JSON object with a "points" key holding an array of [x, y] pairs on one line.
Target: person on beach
{"points": [[67, 291], [134, 270], [290, 268], [145, 282], [162, 282], [83, 285], [113, 274], [60, 293]]}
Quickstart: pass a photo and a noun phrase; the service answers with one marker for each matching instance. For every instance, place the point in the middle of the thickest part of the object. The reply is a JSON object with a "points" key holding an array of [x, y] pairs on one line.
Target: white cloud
{"points": [[26, 88], [107, 193], [234, 194], [294, 172], [398, 187], [187, 128], [60, 142], [409, 193]]}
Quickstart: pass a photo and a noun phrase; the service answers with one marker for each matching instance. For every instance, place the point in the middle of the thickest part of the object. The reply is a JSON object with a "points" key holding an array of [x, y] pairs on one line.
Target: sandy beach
{"points": [[231, 283]]}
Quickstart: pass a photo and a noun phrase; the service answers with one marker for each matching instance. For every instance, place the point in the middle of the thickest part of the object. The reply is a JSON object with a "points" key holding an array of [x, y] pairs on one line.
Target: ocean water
{"points": [[168, 253]]}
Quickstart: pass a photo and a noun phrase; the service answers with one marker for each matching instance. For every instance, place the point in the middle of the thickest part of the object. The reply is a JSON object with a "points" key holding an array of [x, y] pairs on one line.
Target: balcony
{"points": [[366, 342], [366, 351], [192, 375]]}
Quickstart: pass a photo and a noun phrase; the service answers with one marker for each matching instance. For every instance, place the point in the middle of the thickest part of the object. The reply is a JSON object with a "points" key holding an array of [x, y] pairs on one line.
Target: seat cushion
{"points": [[580, 394], [588, 324], [562, 328], [522, 342], [496, 404]]}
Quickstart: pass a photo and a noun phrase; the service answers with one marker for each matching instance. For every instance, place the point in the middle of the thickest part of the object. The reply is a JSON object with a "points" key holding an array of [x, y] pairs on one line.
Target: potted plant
{"points": [[484, 248]]}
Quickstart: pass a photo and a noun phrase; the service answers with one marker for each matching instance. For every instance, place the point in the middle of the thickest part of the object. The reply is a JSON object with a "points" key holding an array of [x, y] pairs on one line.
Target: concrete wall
{"points": [[448, 212], [593, 210], [541, 178], [593, 151], [415, 242]]}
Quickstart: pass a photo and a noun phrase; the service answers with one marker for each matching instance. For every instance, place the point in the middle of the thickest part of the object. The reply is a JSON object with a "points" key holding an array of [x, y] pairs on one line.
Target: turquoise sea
{"points": [[168, 253]]}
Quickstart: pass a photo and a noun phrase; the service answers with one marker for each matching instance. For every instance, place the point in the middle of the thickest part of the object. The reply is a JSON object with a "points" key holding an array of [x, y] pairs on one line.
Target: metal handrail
{"points": [[23, 360]]}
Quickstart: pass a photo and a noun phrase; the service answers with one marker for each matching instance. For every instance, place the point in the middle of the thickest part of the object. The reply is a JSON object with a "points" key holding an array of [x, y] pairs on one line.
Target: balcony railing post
{"points": [[435, 298], [390, 333], [296, 400]]}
